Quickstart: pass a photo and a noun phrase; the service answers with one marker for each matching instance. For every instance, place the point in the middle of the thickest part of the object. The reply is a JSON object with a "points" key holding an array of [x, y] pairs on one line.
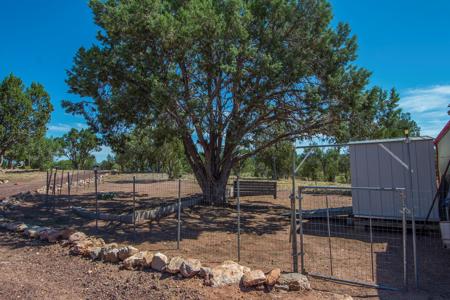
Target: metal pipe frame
{"points": [[179, 215], [300, 219], [331, 187], [96, 200], [238, 200], [294, 218], [353, 282], [134, 207], [322, 146]]}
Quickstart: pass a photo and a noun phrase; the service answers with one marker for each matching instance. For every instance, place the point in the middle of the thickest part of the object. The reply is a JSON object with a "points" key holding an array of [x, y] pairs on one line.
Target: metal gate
{"points": [[364, 249]]}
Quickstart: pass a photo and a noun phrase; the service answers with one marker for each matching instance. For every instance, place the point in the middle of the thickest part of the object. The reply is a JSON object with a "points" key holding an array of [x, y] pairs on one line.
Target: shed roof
{"points": [[414, 138]]}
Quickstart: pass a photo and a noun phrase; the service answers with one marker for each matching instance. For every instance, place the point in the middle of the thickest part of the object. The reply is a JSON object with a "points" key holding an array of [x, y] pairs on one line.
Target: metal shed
{"points": [[384, 163]]}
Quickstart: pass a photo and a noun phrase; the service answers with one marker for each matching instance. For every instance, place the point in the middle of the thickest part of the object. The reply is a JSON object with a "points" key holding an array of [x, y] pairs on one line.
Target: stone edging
{"points": [[129, 257], [143, 215]]}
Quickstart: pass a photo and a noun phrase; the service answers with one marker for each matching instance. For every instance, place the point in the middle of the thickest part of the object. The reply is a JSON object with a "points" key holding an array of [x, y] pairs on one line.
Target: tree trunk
{"points": [[1, 161], [214, 191]]}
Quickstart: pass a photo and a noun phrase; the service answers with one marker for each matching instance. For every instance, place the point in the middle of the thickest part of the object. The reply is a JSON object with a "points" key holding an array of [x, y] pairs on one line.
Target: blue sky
{"points": [[406, 44]]}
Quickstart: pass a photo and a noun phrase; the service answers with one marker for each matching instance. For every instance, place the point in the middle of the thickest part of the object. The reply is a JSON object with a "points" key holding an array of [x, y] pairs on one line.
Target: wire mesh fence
{"points": [[368, 246], [158, 213], [345, 233]]}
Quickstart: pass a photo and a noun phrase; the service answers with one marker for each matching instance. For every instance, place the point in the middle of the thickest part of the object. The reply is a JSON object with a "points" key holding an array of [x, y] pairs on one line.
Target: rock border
{"points": [[131, 258]]}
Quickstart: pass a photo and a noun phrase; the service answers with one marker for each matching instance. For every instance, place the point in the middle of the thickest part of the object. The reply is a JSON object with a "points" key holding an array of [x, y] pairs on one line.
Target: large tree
{"points": [[24, 113], [78, 145], [220, 72]]}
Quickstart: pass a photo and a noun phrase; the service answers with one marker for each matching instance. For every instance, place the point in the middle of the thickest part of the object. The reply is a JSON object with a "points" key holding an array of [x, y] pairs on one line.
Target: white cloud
{"points": [[101, 155], [428, 107], [65, 127]]}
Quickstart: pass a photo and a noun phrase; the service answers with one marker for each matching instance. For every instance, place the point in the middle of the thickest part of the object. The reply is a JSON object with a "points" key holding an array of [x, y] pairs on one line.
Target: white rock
{"points": [[295, 281], [32, 232], [126, 252], [159, 262], [111, 255], [77, 236], [273, 276], [204, 272], [174, 265], [139, 260], [94, 252], [190, 267], [227, 273], [253, 278]]}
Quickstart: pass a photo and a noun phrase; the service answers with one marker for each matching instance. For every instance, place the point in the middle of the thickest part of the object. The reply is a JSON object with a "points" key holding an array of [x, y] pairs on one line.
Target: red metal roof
{"points": [[442, 133]]}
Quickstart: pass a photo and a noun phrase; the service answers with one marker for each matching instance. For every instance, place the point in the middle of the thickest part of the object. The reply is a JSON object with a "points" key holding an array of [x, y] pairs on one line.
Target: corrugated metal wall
{"points": [[373, 166]]}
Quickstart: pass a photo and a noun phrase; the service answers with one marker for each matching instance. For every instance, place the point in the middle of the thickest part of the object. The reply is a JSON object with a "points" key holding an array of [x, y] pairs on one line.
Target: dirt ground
{"points": [[210, 234], [20, 181], [31, 269]]}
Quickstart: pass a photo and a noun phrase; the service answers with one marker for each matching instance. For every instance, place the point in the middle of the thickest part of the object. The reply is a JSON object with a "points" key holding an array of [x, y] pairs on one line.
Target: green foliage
{"points": [[326, 165], [221, 73], [38, 153], [275, 162], [152, 149], [24, 113], [109, 163], [378, 115], [77, 146]]}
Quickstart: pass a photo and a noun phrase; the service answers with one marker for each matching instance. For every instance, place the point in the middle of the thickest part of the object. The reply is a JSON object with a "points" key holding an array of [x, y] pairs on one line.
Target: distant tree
{"points": [[38, 153], [312, 167], [344, 166], [151, 149], [275, 161], [24, 113], [77, 146], [330, 164], [109, 163], [378, 115]]}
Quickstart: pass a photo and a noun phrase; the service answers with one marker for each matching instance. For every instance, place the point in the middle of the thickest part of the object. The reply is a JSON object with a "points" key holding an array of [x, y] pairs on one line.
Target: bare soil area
{"points": [[210, 234], [20, 181], [34, 270]]}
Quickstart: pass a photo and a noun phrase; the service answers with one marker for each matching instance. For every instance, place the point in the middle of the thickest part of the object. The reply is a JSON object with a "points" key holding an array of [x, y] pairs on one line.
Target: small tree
{"points": [[24, 113], [77, 146]]}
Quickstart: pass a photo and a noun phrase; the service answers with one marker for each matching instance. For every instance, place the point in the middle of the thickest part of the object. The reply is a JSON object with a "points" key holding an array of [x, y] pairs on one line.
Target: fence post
{"points": [[294, 217], [371, 236], [238, 200], [404, 232], [78, 182], [411, 203], [300, 219], [54, 190], [134, 207], [68, 191], [179, 215], [96, 199], [329, 234], [47, 186], [61, 183]]}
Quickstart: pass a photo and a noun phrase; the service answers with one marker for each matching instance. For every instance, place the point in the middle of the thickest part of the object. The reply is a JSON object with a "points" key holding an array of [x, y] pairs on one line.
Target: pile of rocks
{"points": [[3, 181], [130, 258]]}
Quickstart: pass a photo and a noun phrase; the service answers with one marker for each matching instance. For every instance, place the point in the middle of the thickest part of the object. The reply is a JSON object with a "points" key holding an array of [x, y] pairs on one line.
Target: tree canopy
{"points": [[24, 113], [78, 145], [221, 73]]}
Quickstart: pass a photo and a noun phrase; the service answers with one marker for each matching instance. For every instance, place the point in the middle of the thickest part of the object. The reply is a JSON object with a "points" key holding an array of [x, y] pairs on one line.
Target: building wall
{"points": [[443, 149], [373, 166]]}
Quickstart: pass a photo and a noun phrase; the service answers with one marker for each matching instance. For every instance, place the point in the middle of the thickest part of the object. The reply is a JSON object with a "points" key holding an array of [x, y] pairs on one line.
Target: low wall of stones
{"points": [[141, 216], [129, 257]]}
